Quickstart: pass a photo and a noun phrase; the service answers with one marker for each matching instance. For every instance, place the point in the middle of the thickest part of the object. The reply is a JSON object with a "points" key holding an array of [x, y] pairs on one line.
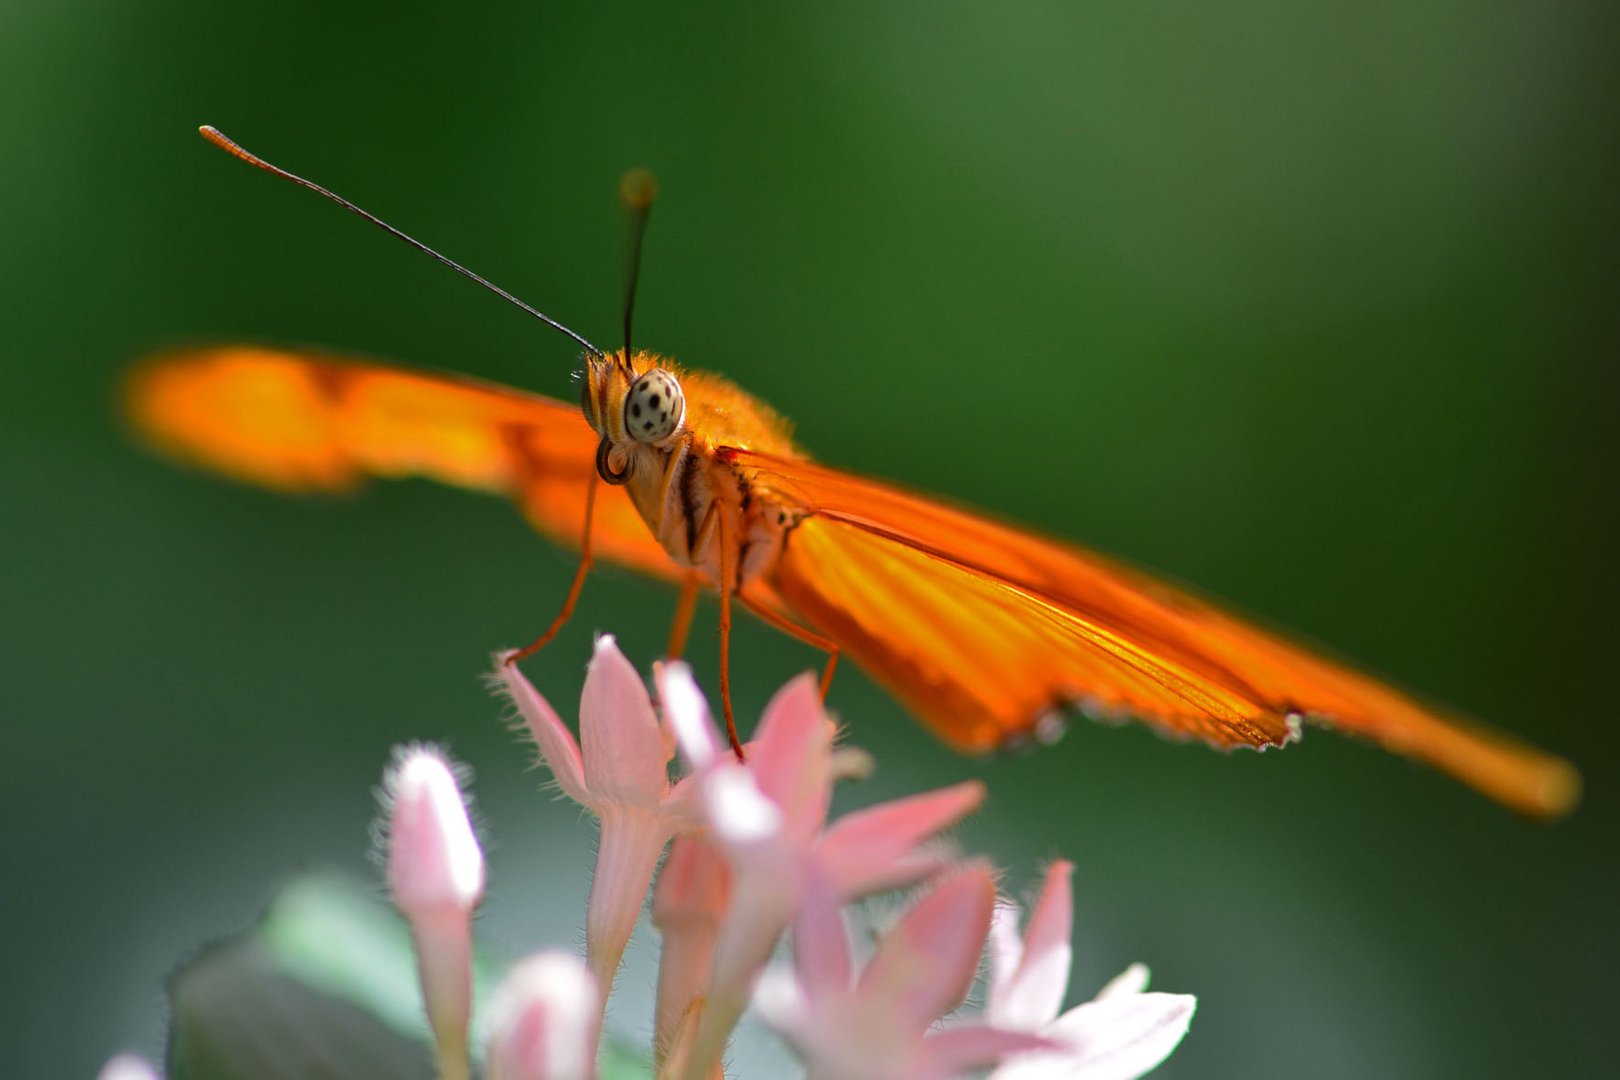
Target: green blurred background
{"points": [[1312, 305]]}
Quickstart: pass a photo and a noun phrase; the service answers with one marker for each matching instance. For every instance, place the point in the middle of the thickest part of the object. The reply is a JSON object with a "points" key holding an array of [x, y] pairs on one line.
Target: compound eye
{"points": [[655, 407]]}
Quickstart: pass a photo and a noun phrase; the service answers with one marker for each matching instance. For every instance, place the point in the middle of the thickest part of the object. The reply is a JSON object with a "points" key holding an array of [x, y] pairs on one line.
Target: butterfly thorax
{"points": [[663, 431]]}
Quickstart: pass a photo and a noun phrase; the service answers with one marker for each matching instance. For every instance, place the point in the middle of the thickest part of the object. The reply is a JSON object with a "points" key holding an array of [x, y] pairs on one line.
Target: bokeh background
{"points": [[1312, 305]]}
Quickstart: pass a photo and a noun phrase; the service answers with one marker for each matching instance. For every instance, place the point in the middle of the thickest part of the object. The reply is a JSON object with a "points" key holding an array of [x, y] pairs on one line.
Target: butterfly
{"points": [[989, 633]]}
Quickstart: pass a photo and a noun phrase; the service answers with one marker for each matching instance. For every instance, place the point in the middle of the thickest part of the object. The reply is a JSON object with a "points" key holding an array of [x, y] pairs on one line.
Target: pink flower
{"points": [[619, 771], [769, 819], [878, 1026], [1118, 1035], [692, 895], [544, 1020], [754, 854], [436, 875]]}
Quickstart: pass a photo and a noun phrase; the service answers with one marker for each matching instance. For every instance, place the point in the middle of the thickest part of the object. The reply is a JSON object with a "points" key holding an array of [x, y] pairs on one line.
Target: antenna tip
{"points": [[215, 136], [638, 188]]}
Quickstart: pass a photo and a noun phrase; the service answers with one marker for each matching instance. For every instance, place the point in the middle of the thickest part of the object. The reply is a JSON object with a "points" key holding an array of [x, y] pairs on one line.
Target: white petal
{"points": [[1133, 980], [780, 1000], [1117, 1039], [1006, 949], [127, 1067], [1032, 998], [739, 814], [686, 714], [1033, 994], [965, 1048]]}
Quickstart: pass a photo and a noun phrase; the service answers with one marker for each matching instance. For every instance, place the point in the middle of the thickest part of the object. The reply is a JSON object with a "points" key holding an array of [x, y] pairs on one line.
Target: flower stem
{"points": [[632, 841], [443, 944], [453, 1061]]}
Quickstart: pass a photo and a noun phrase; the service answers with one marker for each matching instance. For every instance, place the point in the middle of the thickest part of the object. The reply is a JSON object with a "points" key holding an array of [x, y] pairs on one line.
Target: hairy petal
{"points": [[1032, 994], [632, 841], [436, 875], [551, 736], [924, 965], [626, 751], [433, 858], [790, 757], [821, 949], [870, 850], [1004, 950]]}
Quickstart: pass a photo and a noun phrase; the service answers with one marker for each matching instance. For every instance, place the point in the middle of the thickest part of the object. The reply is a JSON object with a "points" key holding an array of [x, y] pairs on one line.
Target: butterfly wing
{"points": [[305, 422], [984, 630]]}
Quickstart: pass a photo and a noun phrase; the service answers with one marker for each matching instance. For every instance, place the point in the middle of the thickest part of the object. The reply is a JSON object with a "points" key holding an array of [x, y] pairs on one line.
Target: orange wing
{"points": [[983, 630], [302, 422]]}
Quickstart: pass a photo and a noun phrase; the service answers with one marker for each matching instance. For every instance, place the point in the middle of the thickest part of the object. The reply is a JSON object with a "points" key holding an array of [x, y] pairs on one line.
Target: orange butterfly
{"points": [[989, 633]]}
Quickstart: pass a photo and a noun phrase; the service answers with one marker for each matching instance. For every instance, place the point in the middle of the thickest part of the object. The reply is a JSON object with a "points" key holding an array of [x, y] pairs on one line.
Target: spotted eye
{"points": [[655, 407]]}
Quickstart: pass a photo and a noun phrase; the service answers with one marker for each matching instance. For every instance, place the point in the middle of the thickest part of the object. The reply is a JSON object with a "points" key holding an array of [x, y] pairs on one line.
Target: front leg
{"points": [[714, 535], [573, 589]]}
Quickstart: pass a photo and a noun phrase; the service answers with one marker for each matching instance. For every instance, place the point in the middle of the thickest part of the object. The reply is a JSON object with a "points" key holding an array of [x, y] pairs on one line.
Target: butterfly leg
{"points": [[728, 578], [573, 589], [804, 634], [713, 531], [684, 607]]}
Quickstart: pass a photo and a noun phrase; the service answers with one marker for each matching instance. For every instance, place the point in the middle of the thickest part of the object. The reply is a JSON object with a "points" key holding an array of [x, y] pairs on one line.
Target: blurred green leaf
{"points": [[334, 936], [238, 1016], [324, 986]]}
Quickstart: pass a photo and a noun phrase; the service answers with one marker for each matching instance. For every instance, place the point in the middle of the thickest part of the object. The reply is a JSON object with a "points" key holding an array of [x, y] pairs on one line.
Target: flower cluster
{"points": [[754, 856], [745, 858]]}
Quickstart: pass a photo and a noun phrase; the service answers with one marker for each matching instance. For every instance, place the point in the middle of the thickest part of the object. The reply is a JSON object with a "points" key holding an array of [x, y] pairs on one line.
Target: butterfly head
{"points": [[636, 403]]}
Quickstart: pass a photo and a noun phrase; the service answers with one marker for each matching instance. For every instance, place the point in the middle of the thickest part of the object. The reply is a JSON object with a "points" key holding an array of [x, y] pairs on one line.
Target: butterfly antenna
{"points": [[213, 135], [637, 190]]}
